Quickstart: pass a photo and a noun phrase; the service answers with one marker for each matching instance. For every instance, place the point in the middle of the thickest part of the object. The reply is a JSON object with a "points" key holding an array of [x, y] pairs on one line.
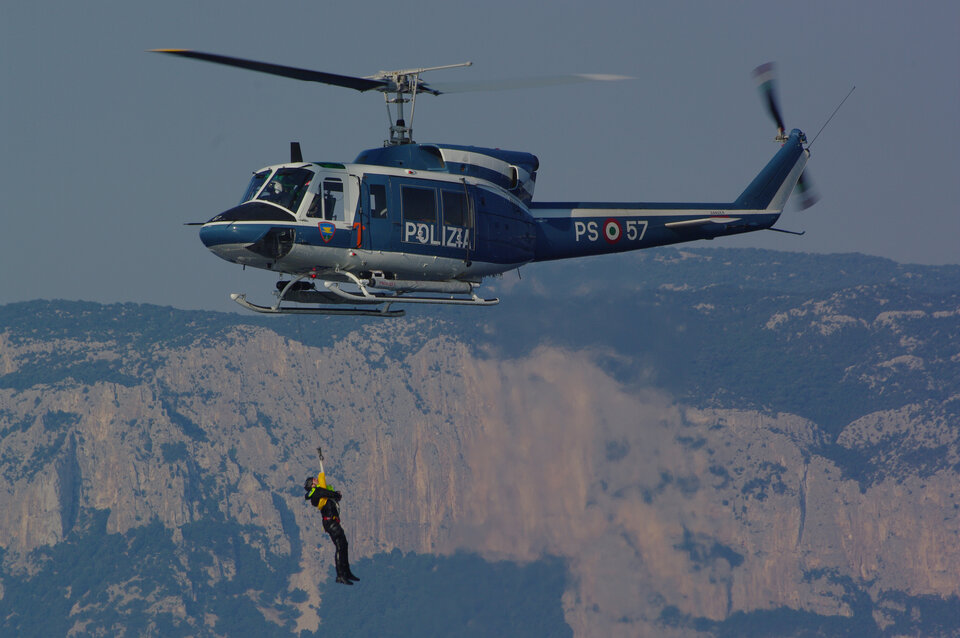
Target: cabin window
{"points": [[455, 209], [378, 201], [287, 187], [419, 204], [254, 186]]}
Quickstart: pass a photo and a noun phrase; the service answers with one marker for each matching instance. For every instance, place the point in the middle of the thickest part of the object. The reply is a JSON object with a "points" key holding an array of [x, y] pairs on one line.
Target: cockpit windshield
{"points": [[255, 183], [287, 187]]}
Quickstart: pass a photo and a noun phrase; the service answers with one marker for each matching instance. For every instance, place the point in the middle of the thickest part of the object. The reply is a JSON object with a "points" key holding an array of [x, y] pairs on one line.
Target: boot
{"points": [[345, 565], [343, 581]]}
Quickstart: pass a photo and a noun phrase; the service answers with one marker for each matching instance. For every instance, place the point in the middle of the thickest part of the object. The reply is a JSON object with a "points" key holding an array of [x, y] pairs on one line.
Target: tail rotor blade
{"points": [[765, 76], [808, 194]]}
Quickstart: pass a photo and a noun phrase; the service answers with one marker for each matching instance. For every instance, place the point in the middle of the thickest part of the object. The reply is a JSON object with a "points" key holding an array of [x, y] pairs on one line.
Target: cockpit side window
{"points": [[287, 187], [315, 209], [332, 196], [254, 186]]}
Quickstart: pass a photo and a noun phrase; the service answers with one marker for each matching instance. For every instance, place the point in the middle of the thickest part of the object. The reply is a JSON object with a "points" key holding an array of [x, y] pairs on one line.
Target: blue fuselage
{"points": [[436, 212]]}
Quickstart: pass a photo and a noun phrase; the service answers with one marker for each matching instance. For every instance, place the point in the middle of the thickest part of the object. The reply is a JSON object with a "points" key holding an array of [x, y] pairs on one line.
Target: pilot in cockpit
{"points": [[273, 192]]}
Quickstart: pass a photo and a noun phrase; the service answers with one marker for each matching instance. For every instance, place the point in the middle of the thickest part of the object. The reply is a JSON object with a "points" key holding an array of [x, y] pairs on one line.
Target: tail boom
{"points": [[576, 229]]}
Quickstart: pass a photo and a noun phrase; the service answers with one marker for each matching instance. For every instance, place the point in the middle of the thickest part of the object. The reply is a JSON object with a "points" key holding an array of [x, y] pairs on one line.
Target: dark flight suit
{"points": [[331, 525]]}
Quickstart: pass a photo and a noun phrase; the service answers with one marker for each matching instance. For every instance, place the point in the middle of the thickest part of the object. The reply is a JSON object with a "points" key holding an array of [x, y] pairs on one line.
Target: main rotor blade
{"points": [[525, 83], [765, 75], [360, 84]]}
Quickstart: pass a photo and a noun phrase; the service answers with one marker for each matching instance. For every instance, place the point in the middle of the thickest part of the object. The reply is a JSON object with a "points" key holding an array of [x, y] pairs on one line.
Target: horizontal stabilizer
{"points": [[703, 221]]}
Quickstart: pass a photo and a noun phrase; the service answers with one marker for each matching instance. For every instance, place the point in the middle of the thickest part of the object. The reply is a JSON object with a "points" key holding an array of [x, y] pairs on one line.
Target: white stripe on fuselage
{"points": [[475, 159], [564, 213]]}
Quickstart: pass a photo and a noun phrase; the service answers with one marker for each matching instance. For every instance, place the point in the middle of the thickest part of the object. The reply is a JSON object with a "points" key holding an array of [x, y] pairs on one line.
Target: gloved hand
{"points": [[337, 496]]}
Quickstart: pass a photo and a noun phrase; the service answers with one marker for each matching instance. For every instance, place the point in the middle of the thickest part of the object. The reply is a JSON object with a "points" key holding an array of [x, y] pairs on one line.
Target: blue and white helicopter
{"points": [[426, 223]]}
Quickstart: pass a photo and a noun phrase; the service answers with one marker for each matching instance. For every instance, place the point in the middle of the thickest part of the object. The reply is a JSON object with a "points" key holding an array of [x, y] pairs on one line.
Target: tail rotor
{"points": [[808, 194], [766, 78]]}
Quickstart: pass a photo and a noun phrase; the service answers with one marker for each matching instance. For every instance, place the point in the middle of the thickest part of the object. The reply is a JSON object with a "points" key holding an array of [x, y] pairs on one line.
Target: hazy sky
{"points": [[107, 149]]}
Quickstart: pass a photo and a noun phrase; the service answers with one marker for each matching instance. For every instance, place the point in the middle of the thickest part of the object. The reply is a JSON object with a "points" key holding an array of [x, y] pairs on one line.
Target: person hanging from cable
{"points": [[327, 501]]}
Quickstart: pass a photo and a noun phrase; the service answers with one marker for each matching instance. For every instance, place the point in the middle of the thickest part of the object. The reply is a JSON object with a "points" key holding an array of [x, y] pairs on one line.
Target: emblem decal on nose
{"points": [[326, 231]]}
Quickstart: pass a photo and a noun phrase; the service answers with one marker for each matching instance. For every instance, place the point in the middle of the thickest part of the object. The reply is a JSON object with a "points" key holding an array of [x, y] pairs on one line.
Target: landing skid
{"points": [[402, 294], [277, 309], [366, 296], [325, 301]]}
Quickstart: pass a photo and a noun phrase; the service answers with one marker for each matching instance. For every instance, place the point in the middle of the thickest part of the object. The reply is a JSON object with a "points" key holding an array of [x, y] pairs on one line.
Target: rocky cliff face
{"points": [[673, 518], [654, 504]]}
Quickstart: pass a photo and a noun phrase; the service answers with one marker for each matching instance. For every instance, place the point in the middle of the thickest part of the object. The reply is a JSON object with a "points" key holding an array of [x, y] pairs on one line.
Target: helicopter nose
{"points": [[232, 242], [224, 229], [223, 234], [234, 233]]}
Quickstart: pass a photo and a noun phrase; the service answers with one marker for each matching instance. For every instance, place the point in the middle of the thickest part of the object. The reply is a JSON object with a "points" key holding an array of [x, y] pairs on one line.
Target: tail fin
{"points": [[770, 189]]}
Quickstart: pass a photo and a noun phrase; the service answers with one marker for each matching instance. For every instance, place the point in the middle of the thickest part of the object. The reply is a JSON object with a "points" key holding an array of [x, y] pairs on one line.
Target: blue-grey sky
{"points": [[107, 149]]}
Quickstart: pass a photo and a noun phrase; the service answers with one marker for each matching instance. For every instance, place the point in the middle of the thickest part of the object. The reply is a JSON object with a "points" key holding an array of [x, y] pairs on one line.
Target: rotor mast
{"points": [[404, 85]]}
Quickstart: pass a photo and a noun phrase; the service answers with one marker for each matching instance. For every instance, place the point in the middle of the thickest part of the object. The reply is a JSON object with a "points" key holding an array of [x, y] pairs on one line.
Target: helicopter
{"points": [[426, 223]]}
